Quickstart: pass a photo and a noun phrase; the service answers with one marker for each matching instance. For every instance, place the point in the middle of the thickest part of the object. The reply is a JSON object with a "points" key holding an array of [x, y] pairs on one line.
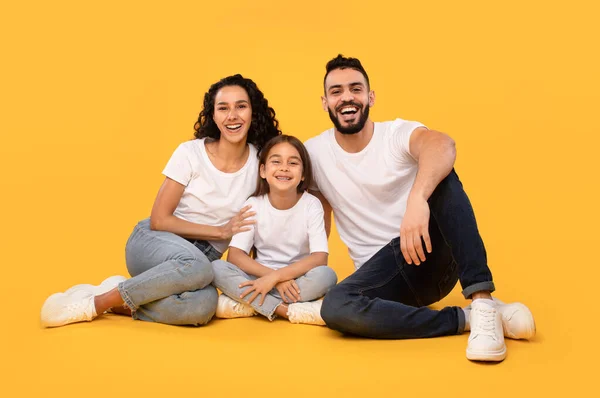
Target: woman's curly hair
{"points": [[263, 126]]}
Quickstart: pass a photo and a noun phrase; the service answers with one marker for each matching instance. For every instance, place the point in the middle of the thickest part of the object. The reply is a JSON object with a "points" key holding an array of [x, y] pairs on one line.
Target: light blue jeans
{"points": [[171, 278], [313, 285]]}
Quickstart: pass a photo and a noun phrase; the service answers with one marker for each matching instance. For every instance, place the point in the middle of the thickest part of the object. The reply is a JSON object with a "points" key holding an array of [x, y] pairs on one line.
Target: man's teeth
{"points": [[348, 109], [234, 126]]}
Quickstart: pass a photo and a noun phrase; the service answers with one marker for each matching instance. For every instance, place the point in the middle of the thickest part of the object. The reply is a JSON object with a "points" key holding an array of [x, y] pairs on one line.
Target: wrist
{"points": [[222, 233], [417, 196], [276, 276]]}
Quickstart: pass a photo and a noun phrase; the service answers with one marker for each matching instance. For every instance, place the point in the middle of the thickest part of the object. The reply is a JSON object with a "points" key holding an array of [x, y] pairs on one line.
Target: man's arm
{"points": [[435, 153], [326, 210]]}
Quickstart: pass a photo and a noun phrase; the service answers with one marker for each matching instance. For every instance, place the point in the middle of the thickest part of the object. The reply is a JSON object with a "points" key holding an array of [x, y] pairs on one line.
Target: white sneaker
{"points": [[228, 308], [517, 320], [107, 285], [486, 342], [308, 313], [61, 309]]}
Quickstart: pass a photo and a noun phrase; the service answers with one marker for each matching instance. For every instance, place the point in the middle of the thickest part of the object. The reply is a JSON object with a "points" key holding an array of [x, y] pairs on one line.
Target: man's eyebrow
{"points": [[353, 84]]}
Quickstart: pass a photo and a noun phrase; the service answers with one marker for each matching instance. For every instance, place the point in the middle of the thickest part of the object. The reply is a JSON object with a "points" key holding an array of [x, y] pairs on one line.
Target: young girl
{"points": [[195, 214], [290, 269]]}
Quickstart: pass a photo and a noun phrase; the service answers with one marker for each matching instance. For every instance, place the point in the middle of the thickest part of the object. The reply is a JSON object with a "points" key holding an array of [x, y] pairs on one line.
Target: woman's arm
{"points": [[162, 218]]}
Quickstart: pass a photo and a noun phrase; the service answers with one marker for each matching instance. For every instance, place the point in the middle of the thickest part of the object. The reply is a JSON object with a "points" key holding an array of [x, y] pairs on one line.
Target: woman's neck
{"points": [[284, 200], [226, 156]]}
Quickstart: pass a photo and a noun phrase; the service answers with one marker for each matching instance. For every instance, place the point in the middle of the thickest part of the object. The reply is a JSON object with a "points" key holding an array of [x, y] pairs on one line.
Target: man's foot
{"points": [[308, 313], [486, 342], [107, 285], [61, 309], [517, 320], [228, 308]]}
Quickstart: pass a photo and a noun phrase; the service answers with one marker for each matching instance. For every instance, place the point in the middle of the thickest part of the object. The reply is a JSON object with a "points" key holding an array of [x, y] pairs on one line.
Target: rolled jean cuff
{"points": [[478, 287], [126, 298], [462, 320]]}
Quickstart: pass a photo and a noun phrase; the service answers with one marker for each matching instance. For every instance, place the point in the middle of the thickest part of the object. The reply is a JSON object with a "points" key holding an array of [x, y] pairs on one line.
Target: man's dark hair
{"points": [[341, 62]]}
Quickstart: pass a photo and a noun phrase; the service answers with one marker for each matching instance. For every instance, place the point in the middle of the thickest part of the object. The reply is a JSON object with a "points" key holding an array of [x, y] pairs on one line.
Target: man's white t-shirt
{"points": [[211, 197], [367, 190], [282, 237]]}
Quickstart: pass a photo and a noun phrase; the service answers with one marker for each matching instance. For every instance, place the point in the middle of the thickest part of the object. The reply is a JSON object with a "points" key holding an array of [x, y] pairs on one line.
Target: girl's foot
{"points": [[228, 308], [308, 313]]}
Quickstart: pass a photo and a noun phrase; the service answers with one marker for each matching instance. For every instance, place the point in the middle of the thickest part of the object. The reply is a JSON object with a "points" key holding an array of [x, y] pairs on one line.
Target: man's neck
{"points": [[354, 143]]}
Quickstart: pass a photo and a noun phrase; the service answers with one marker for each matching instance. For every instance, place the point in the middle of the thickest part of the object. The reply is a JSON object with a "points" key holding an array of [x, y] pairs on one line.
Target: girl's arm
{"points": [[243, 261], [301, 267], [162, 218]]}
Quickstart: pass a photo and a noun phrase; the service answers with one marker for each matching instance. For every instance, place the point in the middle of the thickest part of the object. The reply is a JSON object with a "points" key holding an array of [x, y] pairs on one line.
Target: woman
{"points": [[195, 214]]}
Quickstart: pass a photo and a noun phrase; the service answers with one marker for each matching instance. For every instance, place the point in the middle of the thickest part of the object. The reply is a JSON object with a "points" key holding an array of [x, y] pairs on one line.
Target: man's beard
{"points": [[353, 128]]}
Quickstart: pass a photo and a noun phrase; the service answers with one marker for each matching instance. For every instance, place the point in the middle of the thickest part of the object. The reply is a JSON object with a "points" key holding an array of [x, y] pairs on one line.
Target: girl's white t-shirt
{"points": [[282, 237], [211, 197]]}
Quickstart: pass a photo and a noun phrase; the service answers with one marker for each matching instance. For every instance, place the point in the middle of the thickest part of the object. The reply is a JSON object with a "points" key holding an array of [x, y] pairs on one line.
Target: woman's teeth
{"points": [[233, 127]]}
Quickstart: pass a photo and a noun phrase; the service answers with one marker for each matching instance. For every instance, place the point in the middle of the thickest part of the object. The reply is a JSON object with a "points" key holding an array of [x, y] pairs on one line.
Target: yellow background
{"points": [[95, 96]]}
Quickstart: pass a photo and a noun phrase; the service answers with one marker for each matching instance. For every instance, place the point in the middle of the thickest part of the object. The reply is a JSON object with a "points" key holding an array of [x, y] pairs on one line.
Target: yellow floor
{"points": [[253, 357]]}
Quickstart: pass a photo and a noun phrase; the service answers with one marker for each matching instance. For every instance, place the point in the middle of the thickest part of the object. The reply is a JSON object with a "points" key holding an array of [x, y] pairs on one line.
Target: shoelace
{"points": [[77, 311], [485, 322]]}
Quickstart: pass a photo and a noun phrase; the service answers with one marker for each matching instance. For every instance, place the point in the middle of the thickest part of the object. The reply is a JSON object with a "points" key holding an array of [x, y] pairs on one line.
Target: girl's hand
{"points": [[262, 286], [238, 223], [289, 291]]}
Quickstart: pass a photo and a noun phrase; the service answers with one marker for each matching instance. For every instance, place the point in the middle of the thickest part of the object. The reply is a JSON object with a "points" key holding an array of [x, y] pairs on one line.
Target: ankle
{"points": [[481, 295], [282, 310]]}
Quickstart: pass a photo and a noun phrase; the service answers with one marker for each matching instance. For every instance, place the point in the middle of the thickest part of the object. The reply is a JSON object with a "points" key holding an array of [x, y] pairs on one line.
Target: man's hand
{"points": [[415, 226]]}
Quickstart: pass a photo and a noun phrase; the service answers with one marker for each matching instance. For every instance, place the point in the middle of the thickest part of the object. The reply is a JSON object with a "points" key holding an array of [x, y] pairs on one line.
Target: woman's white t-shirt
{"points": [[211, 197]]}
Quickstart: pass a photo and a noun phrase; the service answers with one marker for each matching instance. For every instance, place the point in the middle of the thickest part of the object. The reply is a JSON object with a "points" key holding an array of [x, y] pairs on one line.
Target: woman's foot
{"points": [[62, 309]]}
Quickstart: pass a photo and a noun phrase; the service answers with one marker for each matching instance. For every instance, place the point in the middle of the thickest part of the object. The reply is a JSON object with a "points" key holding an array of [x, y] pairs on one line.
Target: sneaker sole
{"points": [[488, 356], [528, 333]]}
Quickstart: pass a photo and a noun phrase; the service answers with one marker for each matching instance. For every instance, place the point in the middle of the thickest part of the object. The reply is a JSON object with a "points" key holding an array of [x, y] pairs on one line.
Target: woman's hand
{"points": [[289, 291], [238, 223], [260, 286]]}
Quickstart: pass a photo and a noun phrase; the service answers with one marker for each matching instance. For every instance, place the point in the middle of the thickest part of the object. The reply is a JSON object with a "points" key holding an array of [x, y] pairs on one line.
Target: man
{"points": [[408, 225]]}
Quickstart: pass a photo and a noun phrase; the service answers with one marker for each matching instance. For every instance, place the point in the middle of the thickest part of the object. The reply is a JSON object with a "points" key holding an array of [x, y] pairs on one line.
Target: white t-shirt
{"points": [[211, 197], [367, 190], [282, 237]]}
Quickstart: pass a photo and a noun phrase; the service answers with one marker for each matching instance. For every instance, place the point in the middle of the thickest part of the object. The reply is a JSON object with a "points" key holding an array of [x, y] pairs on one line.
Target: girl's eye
{"points": [[294, 163], [222, 108], [275, 161], [242, 106]]}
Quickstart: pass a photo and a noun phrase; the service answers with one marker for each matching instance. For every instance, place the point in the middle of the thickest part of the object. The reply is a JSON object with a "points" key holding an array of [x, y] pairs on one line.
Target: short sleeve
{"points": [[317, 237], [179, 167], [400, 139], [245, 240]]}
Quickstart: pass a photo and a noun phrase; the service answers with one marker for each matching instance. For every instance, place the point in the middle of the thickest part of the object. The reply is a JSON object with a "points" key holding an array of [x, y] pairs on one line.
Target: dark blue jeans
{"points": [[387, 298]]}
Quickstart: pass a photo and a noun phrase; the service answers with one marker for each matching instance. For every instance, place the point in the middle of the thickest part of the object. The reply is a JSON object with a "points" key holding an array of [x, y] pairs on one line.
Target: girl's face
{"points": [[283, 168], [233, 113]]}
